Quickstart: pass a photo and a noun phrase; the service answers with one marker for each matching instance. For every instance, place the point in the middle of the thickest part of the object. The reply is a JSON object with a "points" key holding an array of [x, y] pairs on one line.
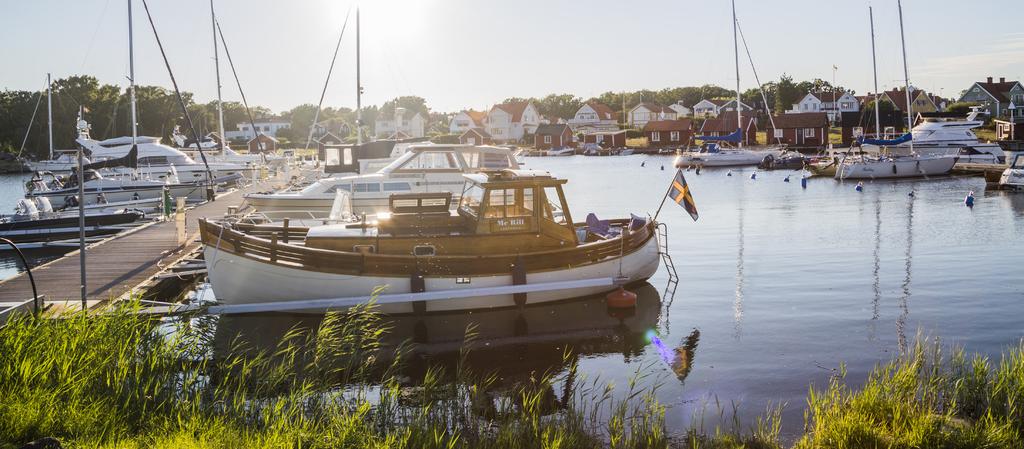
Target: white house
{"points": [[511, 121], [594, 116], [714, 107], [646, 112], [268, 126], [681, 110], [403, 125], [466, 120], [833, 104]]}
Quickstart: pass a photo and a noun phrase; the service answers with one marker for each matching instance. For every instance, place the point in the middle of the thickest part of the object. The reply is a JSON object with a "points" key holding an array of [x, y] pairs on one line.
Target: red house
{"points": [[808, 129], [606, 139], [723, 126], [552, 136], [268, 143], [475, 136], [665, 133]]}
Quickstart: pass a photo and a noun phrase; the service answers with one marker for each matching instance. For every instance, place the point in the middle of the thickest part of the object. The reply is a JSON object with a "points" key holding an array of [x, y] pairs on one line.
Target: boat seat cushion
{"points": [[600, 227]]}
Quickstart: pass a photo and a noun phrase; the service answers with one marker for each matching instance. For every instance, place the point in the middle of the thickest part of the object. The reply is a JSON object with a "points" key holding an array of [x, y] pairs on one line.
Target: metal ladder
{"points": [[670, 266]]}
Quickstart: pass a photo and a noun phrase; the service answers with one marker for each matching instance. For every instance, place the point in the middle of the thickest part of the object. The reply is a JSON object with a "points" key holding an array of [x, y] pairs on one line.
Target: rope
{"points": [[30, 122], [328, 80], [248, 112]]}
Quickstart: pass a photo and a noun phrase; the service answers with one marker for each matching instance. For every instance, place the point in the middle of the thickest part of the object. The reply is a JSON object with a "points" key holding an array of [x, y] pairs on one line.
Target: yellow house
{"points": [[922, 102]]}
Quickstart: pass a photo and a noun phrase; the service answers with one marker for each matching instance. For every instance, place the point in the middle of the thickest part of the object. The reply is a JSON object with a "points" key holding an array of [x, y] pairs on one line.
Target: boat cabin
{"points": [[500, 211]]}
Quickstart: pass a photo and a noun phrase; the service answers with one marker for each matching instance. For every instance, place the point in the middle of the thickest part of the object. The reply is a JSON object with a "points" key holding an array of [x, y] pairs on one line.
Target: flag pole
{"points": [[662, 201]]}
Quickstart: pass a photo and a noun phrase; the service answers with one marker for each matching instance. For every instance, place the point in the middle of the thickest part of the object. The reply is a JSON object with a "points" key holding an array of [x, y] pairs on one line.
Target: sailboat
{"points": [[889, 164], [711, 153]]}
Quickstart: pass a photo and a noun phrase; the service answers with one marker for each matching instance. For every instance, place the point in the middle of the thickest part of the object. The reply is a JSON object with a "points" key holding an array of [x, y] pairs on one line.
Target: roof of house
{"points": [[478, 131], [721, 101], [552, 129], [653, 107], [476, 116], [801, 120], [998, 90], [603, 111], [899, 97], [264, 137], [514, 109], [725, 124], [668, 125], [827, 96]]}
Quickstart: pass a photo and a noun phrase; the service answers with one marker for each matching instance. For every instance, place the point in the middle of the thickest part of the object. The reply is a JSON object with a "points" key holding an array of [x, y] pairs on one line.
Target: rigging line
{"points": [[327, 81], [757, 80], [245, 103], [30, 122], [92, 41], [181, 101]]}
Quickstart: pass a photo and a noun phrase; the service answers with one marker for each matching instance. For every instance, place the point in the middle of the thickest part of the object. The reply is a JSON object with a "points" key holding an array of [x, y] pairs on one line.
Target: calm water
{"points": [[778, 286], [12, 188]]}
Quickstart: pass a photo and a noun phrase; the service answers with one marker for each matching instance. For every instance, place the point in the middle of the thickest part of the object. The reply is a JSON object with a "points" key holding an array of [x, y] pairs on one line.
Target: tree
{"points": [[559, 106], [786, 94]]}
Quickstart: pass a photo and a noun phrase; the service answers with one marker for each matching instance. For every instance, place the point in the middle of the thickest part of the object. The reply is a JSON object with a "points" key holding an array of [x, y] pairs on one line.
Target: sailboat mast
{"points": [[49, 112], [131, 76], [736, 53], [906, 76], [359, 89], [874, 67], [216, 65]]}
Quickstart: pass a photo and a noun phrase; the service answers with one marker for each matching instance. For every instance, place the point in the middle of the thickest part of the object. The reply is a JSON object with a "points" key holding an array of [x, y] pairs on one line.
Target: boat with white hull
{"points": [[948, 137], [1013, 177], [421, 169], [511, 242], [99, 189], [712, 155], [894, 167], [156, 159]]}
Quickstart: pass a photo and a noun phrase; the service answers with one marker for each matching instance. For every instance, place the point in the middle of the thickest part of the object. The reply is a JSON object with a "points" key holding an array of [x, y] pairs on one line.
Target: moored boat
{"points": [[1013, 177], [510, 242]]}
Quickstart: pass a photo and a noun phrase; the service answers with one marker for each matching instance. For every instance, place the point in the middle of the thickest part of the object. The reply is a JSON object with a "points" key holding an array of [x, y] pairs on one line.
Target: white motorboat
{"points": [[156, 160], [880, 167], [948, 137], [712, 155], [99, 189], [421, 169], [63, 163], [566, 151], [511, 242], [1013, 176], [216, 154]]}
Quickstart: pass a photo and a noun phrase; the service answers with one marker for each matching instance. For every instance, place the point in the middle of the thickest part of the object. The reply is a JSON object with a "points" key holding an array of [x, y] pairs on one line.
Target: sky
{"points": [[460, 54]]}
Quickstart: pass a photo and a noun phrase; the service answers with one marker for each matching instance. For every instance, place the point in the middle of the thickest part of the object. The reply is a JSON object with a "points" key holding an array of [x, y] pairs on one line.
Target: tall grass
{"points": [[126, 380]]}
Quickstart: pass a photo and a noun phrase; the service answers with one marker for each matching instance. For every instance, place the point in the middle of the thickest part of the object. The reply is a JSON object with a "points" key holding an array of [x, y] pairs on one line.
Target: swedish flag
{"points": [[680, 193]]}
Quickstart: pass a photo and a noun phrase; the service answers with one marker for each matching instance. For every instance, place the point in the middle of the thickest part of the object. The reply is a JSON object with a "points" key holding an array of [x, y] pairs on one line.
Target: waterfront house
{"points": [[550, 136], [806, 129], [511, 121], [475, 136], [996, 97], [606, 139], [662, 133], [405, 123], [647, 111], [269, 143], [1010, 128], [830, 103], [723, 126], [267, 126], [465, 120], [716, 106], [922, 102], [595, 116]]}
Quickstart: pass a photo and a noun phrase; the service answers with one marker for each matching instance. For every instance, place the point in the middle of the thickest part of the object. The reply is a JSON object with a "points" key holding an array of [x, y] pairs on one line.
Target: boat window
{"points": [[472, 196], [367, 187], [153, 160], [396, 186], [1018, 162], [508, 203], [553, 207], [431, 160], [336, 187]]}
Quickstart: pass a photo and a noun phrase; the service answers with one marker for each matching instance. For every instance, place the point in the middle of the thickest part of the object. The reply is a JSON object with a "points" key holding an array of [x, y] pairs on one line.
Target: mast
{"points": [[359, 89], [216, 65], [49, 112], [906, 77], [131, 76], [874, 67], [736, 52]]}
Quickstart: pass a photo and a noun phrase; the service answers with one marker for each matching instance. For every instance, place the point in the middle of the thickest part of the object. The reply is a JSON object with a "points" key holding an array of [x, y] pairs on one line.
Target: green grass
{"points": [[126, 381]]}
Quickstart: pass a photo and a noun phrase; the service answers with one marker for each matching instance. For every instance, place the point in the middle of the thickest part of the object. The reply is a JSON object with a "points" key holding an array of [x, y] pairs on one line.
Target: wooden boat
{"points": [[510, 242]]}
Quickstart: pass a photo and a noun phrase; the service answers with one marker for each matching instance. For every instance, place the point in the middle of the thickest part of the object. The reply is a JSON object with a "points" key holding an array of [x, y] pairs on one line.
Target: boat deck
{"points": [[117, 265]]}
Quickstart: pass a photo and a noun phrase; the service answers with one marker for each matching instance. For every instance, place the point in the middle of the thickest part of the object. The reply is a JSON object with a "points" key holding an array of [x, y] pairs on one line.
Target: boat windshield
{"points": [[472, 197], [1018, 162], [426, 160], [477, 160], [553, 208]]}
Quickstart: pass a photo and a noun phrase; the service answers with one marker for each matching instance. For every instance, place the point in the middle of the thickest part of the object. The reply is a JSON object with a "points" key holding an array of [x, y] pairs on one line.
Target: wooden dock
{"points": [[115, 266]]}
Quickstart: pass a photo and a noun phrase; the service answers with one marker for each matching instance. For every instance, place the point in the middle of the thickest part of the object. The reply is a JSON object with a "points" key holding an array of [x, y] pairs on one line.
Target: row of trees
{"points": [[107, 110]]}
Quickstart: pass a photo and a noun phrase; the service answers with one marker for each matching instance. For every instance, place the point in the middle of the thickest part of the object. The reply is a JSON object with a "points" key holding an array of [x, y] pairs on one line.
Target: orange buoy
{"points": [[621, 299]]}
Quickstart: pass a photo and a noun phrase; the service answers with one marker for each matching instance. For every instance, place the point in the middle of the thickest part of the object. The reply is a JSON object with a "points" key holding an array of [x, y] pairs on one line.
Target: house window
{"points": [[547, 139], [655, 137], [674, 136], [778, 133], [808, 132], [266, 128]]}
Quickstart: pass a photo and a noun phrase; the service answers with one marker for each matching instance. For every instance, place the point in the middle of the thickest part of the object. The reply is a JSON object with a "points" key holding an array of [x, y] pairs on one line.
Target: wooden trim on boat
{"points": [[271, 250]]}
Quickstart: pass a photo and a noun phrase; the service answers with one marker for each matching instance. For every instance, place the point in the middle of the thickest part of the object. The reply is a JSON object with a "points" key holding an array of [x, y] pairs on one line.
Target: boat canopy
{"points": [[886, 142], [735, 137]]}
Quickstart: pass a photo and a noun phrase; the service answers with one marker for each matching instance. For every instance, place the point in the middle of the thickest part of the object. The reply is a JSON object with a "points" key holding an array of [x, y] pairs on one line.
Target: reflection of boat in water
{"points": [[513, 343]]}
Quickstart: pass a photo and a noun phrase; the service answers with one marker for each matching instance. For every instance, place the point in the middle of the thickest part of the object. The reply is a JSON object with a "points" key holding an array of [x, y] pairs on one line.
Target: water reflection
{"points": [[876, 284], [513, 344], [737, 304], [901, 320]]}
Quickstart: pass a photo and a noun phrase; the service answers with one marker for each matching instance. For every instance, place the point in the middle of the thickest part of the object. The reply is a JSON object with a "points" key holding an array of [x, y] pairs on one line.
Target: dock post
{"points": [[284, 232], [179, 221], [273, 247]]}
